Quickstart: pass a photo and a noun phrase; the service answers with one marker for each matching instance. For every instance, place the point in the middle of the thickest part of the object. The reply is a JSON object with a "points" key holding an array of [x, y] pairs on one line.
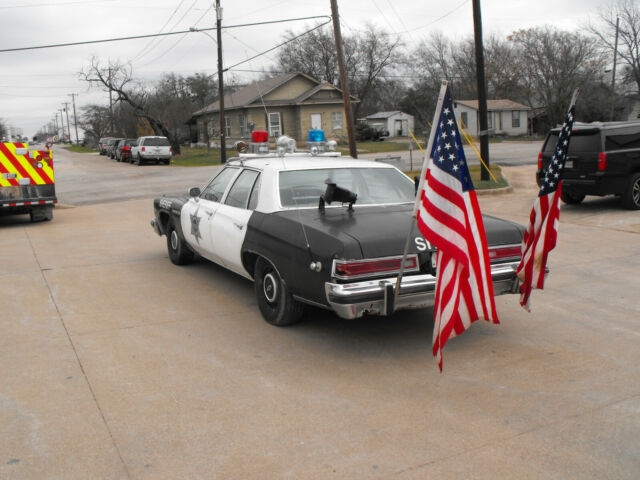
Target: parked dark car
{"points": [[112, 143], [603, 159], [123, 149], [102, 145]]}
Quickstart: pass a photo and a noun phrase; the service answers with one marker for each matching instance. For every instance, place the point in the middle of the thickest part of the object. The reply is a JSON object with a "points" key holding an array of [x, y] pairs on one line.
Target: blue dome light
{"points": [[315, 136]]}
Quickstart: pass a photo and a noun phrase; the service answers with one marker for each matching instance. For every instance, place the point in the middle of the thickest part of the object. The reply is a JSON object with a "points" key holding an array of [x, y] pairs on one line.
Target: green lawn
{"points": [[79, 149], [474, 170], [199, 157], [377, 147]]}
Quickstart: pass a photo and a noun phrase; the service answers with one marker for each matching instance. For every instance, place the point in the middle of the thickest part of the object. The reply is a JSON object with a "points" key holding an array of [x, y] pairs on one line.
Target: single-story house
{"points": [[504, 117], [397, 123], [289, 104]]}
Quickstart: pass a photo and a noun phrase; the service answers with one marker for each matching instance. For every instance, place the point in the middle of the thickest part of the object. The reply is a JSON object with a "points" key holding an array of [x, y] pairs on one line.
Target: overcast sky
{"points": [[35, 83]]}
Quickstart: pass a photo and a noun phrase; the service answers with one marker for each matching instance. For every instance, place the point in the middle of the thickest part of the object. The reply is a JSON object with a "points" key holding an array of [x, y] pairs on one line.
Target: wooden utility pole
{"points": [[613, 73], [113, 128], [64, 133], [75, 119], [66, 111], [343, 79], [482, 96], [223, 146]]}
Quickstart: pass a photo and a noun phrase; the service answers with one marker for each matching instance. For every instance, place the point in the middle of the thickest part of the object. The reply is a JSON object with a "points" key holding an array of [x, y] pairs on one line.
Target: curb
{"points": [[495, 191]]}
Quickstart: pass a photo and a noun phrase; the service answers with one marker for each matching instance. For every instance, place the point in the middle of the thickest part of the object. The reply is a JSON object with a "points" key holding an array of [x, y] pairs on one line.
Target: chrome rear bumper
{"points": [[353, 300]]}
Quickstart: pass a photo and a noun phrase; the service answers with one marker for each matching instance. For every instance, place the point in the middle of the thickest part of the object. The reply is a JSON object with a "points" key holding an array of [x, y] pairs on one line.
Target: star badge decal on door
{"points": [[195, 226]]}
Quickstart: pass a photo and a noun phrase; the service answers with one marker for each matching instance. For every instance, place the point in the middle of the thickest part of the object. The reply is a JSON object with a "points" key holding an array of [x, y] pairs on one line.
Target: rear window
{"points": [[587, 141], [374, 186], [157, 142]]}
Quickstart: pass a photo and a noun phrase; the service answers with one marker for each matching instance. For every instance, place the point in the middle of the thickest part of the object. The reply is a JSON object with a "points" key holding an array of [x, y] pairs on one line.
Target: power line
{"points": [[83, 2], [160, 31], [176, 42], [135, 37], [280, 45]]}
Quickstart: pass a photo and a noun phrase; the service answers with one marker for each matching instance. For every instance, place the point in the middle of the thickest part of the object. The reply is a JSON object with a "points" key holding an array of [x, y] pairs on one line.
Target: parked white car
{"points": [[148, 149]]}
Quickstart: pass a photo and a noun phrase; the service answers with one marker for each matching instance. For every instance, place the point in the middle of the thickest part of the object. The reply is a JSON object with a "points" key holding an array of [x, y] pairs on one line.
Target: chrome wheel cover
{"points": [[270, 287]]}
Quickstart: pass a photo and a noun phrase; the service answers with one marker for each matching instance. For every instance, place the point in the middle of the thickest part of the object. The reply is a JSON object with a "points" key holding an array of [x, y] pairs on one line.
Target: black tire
{"points": [[571, 198], [275, 302], [179, 252], [631, 198]]}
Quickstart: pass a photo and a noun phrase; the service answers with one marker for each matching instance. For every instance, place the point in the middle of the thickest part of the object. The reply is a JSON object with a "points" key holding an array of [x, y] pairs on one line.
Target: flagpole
{"points": [[425, 163], [574, 97]]}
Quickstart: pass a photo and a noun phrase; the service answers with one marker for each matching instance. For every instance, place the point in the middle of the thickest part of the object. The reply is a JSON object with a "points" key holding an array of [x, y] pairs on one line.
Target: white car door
{"points": [[195, 219], [232, 217], [197, 215]]}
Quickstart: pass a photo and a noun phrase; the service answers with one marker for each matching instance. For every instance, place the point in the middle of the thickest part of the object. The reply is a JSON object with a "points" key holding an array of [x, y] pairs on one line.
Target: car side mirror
{"points": [[194, 192]]}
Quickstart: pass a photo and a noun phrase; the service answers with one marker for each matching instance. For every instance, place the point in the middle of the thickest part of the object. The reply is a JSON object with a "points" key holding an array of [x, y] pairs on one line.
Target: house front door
{"points": [[316, 121]]}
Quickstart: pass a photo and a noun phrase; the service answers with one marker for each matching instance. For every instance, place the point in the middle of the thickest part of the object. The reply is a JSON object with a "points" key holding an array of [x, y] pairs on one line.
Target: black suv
{"points": [[603, 159]]}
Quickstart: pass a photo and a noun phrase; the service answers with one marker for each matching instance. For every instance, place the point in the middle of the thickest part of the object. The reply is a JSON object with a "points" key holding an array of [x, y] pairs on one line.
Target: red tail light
{"points": [[142, 149], [540, 161], [351, 269], [170, 149], [602, 161], [502, 253], [126, 149]]}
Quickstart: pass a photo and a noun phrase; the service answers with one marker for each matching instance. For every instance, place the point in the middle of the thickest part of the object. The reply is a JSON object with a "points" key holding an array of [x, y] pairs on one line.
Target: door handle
{"points": [[208, 212], [239, 226]]}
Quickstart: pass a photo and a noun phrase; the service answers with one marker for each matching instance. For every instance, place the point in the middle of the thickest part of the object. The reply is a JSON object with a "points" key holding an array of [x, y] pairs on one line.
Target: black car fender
{"points": [[291, 249], [166, 208]]}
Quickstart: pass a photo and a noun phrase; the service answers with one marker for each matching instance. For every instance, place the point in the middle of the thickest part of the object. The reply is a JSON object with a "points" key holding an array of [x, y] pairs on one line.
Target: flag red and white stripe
{"points": [[449, 217], [541, 233]]}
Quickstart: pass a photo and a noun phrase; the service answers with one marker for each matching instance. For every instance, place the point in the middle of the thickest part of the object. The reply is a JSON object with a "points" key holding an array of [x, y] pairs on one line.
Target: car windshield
{"points": [[157, 142], [374, 186]]}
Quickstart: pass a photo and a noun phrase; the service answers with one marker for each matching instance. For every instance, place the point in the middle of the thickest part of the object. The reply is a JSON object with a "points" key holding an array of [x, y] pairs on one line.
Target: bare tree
{"points": [[628, 11], [369, 55], [553, 63], [95, 121], [117, 78]]}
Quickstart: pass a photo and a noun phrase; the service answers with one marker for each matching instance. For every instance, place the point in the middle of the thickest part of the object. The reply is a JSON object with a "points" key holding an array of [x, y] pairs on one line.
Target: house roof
{"points": [[495, 104], [245, 96], [384, 114]]}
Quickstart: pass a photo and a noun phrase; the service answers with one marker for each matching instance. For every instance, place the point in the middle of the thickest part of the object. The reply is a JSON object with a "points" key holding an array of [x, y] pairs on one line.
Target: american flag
{"points": [[542, 232], [449, 217]]}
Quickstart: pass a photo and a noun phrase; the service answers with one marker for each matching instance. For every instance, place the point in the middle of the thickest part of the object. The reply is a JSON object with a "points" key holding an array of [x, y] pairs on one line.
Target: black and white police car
{"points": [[319, 229]]}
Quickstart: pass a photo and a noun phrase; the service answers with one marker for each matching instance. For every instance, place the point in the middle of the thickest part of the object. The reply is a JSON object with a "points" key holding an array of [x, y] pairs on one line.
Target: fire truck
{"points": [[26, 181]]}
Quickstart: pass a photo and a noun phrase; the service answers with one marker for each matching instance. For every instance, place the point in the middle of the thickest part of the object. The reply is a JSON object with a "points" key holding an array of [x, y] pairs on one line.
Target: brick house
{"points": [[288, 104]]}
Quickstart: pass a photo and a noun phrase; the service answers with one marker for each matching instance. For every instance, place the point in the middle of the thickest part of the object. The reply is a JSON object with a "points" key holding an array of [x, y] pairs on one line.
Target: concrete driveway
{"points": [[116, 364]]}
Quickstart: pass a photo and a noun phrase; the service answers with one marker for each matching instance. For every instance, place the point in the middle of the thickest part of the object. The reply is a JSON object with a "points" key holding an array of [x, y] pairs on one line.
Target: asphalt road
{"points": [[89, 178], [117, 364]]}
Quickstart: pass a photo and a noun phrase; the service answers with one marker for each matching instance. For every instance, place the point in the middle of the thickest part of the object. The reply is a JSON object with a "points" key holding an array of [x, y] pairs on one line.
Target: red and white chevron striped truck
{"points": [[26, 181]]}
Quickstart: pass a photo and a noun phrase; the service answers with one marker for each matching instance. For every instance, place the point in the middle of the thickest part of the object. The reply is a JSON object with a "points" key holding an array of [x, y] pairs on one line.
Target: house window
{"points": [[274, 125], [316, 121], [227, 126], [243, 125], [489, 120], [465, 120], [515, 119], [336, 120]]}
